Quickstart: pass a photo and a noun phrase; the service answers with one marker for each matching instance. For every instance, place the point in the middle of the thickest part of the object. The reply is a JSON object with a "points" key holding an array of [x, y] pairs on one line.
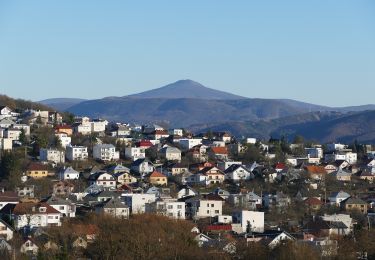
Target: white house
{"points": [[171, 208], [142, 166], [64, 139], [238, 173], [209, 206], [66, 207], [6, 231], [76, 153], [186, 191], [137, 201], [69, 174], [314, 152], [30, 214], [190, 143], [51, 155], [135, 153], [170, 153], [6, 144], [103, 179], [251, 221], [337, 197], [29, 247], [12, 133], [105, 152]]}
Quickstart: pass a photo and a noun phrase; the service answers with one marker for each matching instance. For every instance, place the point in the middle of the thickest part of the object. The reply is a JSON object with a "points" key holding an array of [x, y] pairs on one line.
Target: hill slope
{"points": [[184, 112], [61, 103], [186, 89]]}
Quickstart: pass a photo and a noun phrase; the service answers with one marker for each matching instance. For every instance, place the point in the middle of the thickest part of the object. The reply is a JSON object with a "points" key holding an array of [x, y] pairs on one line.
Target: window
{"points": [[61, 207], [216, 211], [208, 212], [212, 205], [179, 206], [170, 206]]}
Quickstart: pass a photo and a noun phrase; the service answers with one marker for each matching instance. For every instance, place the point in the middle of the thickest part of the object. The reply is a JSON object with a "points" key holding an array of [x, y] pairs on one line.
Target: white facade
{"points": [[190, 143], [251, 140], [69, 174], [171, 153], [67, 210], [6, 144], [26, 128], [315, 152], [135, 153], [13, 134], [51, 155], [105, 152], [98, 126], [84, 129], [6, 231], [171, 208], [64, 139], [137, 201], [40, 218], [205, 208], [76, 153], [224, 219], [223, 165], [104, 179], [250, 220]]}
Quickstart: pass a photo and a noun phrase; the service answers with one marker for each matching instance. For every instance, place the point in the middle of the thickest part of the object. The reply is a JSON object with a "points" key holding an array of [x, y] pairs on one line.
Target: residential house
{"points": [[102, 179], [190, 143], [220, 153], [237, 173], [65, 140], [8, 197], [64, 129], [76, 153], [207, 206], [248, 201], [354, 204], [37, 171], [142, 166], [51, 155], [344, 218], [169, 207], [6, 144], [65, 206], [157, 178], [316, 172], [336, 198], [323, 228], [178, 169], [105, 152], [29, 247], [313, 203], [6, 231], [26, 191], [62, 188], [251, 221], [30, 214], [12, 134], [170, 153], [272, 238], [137, 201], [124, 178], [69, 174], [342, 175], [135, 153], [213, 175], [186, 191], [114, 207]]}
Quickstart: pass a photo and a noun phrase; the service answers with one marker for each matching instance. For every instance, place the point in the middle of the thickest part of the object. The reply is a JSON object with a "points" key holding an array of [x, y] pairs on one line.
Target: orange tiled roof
{"points": [[156, 174], [219, 150], [316, 169]]}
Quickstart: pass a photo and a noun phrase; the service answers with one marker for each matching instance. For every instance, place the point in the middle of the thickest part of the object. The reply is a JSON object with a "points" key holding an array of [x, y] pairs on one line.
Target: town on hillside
{"points": [[83, 188]]}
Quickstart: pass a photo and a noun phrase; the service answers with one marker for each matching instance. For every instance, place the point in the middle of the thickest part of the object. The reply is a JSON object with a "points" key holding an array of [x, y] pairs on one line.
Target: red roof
{"points": [[313, 201], [316, 169], [156, 174], [37, 167], [59, 127], [219, 150], [280, 166], [33, 208], [226, 227], [145, 143]]}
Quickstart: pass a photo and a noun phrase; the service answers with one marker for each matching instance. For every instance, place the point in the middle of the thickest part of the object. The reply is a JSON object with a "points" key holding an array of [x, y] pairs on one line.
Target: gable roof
{"points": [[156, 174], [37, 167], [316, 169], [9, 196], [31, 207]]}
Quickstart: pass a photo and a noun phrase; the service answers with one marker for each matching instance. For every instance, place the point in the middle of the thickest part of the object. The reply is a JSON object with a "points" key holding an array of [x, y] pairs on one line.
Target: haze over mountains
{"points": [[187, 103]]}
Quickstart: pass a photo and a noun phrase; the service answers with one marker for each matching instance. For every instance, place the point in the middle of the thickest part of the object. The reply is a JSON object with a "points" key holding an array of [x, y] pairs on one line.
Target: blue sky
{"points": [[321, 52]]}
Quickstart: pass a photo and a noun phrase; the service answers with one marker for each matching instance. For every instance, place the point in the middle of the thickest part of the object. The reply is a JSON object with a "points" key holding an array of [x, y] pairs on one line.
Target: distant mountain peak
{"points": [[186, 88]]}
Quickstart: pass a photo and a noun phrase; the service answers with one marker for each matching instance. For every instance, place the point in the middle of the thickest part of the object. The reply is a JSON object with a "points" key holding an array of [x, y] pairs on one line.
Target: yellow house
{"points": [[158, 178], [37, 171]]}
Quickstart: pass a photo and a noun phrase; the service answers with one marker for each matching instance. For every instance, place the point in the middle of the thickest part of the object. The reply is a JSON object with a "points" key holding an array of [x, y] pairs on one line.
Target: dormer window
{"points": [[42, 209]]}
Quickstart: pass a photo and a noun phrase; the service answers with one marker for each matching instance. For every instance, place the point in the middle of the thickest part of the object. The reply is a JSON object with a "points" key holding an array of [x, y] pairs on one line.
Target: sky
{"points": [[321, 51]]}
